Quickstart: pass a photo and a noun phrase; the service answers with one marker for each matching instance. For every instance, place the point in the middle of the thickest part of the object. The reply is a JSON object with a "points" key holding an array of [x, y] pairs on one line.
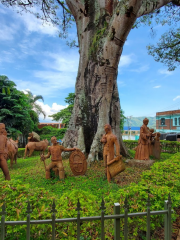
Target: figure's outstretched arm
{"points": [[48, 155], [70, 149]]}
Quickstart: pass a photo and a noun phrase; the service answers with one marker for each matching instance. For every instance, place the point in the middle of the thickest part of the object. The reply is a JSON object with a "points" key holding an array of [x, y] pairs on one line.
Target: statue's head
{"points": [[146, 121], [3, 129], [151, 130], [2, 126], [54, 140], [107, 128]]}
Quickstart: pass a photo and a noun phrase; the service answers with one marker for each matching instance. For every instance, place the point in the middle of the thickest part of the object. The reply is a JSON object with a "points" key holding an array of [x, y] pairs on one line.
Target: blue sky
{"points": [[35, 58]]}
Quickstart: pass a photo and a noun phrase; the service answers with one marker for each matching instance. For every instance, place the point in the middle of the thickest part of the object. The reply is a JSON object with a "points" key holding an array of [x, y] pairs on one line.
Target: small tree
{"points": [[65, 114], [36, 107], [122, 120]]}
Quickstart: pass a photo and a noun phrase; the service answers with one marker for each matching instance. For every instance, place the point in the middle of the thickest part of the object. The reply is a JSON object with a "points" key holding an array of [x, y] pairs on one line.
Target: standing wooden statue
{"points": [[157, 146], [4, 151], [143, 148], [113, 165]]}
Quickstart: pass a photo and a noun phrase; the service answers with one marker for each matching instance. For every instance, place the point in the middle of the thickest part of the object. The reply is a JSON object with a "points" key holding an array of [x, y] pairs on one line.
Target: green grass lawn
{"points": [[28, 182]]}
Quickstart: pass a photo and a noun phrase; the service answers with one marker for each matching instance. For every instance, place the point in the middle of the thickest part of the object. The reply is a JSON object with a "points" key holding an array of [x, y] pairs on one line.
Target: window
{"points": [[179, 121], [175, 121], [162, 121]]}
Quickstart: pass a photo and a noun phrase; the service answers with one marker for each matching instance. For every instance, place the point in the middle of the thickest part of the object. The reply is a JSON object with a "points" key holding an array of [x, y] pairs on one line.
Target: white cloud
{"points": [[55, 80], [29, 47], [26, 91], [174, 99], [126, 60], [6, 57], [49, 110], [2, 9], [165, 72], [141, 69], [62, 61], [7, 32], [47, 83], [121, 83], [157, 86], [34, 24]]}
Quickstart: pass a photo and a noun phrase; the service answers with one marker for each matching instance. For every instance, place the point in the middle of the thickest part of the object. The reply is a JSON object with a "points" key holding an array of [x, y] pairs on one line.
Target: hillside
{"points": [[138, 121]]}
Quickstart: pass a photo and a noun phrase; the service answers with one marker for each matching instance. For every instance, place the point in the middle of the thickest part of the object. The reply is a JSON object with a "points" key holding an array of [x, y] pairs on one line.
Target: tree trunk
{"points": [[102, 26]]}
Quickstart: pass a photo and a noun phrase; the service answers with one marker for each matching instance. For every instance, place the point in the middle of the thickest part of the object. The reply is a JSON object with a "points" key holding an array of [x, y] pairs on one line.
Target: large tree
{"points": [[102, 29]]}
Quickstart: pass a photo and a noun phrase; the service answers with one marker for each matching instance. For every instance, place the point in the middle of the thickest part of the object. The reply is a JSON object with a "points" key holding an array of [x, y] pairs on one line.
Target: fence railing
{"points": [[116, 216]]}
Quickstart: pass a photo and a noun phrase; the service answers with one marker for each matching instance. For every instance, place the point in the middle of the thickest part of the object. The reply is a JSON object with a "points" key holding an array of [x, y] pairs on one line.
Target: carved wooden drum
{"points": [[78, 163]]}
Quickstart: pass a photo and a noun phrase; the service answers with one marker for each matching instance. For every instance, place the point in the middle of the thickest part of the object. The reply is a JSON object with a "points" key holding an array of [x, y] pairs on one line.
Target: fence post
{"points": [[116, 222], [148, 219], [169, 217], [3, 221], [78, 219], [126, 208], [102, 218], [29, 210], [166, 221], [53, 210]]}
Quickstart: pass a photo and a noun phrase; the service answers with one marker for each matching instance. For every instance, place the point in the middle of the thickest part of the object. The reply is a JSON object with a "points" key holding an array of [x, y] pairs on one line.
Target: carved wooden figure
{"points": [[142, 150], [12, 150], [35, 146], [113, 165], [56, 158], [4, 151], [157, 146], [151, 141], [33, 137]]}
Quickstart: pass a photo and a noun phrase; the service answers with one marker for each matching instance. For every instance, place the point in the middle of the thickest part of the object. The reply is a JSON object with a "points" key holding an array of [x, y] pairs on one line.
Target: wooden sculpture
{"points": [[113, 165], [4, 151], [56, 158]]}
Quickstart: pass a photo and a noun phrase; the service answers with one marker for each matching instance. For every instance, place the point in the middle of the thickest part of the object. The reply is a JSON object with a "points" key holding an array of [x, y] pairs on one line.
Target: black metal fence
{"points": [[116, 216]]}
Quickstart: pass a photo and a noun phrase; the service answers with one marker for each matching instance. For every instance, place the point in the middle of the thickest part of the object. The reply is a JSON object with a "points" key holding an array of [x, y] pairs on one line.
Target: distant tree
{"points": [[36, 107], [15, 110], [65, 114], [167, 49], [122, 120]]}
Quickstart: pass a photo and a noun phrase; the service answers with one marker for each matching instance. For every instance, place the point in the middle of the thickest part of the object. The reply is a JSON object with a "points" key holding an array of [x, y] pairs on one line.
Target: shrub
{"points": [[163, 178], [48, 132]]}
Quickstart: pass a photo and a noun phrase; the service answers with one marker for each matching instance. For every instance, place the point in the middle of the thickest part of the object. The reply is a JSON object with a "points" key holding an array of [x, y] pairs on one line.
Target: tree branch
{"points": [[62, 5], [148, 7], [75, 6]]}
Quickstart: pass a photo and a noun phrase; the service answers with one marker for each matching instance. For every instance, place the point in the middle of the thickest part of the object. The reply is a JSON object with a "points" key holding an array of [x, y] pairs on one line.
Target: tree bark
{"points": [[102, 27]]}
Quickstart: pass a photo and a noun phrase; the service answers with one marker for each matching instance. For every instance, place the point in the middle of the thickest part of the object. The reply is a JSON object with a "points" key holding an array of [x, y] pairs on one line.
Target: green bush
{"points": [[48, 132], [163, 178]]}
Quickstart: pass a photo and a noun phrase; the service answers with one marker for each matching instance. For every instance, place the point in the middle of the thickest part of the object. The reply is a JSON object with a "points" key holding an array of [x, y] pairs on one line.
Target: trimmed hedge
{"points": [[162, 179], [167, 146]]}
